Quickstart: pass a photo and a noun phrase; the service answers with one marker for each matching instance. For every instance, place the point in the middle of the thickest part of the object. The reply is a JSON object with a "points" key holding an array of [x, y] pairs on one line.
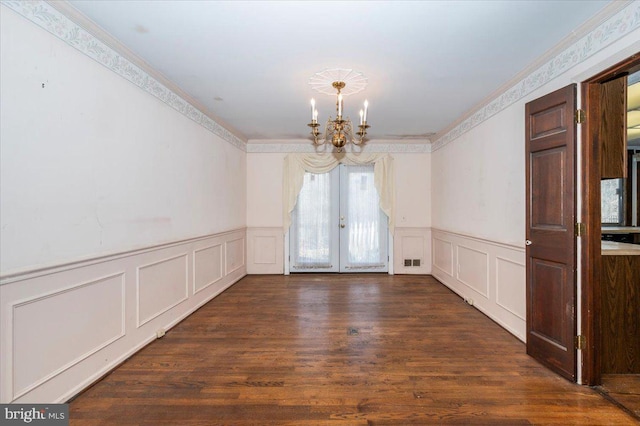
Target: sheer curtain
{"points": [[362, 208], [312, 241], [295, 166]]}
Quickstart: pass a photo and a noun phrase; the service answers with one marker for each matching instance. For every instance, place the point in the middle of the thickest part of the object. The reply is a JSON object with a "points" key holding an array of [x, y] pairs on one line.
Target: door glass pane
{"points": [[312, 245], [611, 191], [365, 223], [337, 224]]}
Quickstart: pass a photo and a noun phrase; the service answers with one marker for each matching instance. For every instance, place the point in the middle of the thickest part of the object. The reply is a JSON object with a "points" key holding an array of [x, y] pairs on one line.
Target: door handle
{"points": [[527, 242], [342, 225]]}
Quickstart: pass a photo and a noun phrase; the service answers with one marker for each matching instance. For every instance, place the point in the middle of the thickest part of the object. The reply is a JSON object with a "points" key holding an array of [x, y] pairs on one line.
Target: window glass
{"points": [[611, 191]]}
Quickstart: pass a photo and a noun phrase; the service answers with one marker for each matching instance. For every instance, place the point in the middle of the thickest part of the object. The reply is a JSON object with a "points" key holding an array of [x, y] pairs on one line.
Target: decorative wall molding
{"points": [[489, 275], [617, 26], [160, 286], [207, 267], [58, 24], [88, 319], [506, 269], [64, 327], [265, 250], [412, 243], [63, 27], [442, 255], [476, 277], [81, 263], [307, 147], [234, 255]]}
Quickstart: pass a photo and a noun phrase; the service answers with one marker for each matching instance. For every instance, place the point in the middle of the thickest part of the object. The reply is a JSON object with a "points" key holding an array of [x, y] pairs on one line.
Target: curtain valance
{"points": [[295, 166]]}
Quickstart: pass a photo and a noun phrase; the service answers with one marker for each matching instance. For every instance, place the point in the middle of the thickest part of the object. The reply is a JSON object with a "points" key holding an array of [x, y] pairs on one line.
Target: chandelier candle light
{"points": [[339, 131]]}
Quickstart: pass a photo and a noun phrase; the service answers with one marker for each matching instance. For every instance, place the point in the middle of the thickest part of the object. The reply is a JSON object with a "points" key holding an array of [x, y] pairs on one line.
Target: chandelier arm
{"points": [[339, 131]]}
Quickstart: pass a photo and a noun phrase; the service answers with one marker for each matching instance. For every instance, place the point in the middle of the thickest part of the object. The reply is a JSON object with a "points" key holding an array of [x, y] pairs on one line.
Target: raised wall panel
{"points": [[510, 294], [63, 327], [491, 269], [207, 267], [234, 255], [413, 244], [161, 286], [473, 269], [53, 332], [443, 256], [265, 250]]}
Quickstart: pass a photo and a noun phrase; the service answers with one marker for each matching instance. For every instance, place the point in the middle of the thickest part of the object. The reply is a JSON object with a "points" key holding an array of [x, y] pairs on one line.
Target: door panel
{"points": [[547, 188], [548, 324], [550, 219]]}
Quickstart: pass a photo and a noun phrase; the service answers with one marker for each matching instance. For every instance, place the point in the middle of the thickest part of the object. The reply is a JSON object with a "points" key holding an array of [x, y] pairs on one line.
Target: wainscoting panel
{"points": [[207, 267], [509, 293], [161, 286], [442, 256], [62, 328], [412, 251], [234, 255], [55, 320], [473, 269], [265, 251], [489, 275]]}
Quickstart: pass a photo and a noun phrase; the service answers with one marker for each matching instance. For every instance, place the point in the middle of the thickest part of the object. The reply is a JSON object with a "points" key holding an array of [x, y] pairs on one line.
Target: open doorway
{"points": [[611, 275]]}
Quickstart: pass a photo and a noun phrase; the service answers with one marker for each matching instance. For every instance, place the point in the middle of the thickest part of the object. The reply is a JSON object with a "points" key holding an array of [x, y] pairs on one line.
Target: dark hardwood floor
{"points": [[624, 389], [338, 349]]}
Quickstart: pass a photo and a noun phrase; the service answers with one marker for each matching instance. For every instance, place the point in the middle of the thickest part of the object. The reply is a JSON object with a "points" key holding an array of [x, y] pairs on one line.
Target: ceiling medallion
{"points": [[338, 131]]}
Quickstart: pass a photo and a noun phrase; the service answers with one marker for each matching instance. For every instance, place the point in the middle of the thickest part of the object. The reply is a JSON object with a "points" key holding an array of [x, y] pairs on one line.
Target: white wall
{"points": [[90, 164], [119, 215], [264, 211], [478, 190]]}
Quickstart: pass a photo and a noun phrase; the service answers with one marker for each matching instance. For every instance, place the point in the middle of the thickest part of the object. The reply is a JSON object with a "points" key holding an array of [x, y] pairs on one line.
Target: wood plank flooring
{"points": [[623, 389], [338, 350]]}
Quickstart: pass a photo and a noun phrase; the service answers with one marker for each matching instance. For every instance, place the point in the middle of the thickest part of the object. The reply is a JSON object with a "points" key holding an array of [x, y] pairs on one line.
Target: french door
{"points": [[337, 225]]}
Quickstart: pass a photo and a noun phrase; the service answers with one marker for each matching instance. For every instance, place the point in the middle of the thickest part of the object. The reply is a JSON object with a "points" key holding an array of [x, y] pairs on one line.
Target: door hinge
{"points": [[581, 342], [581, 116], [580, 229]]}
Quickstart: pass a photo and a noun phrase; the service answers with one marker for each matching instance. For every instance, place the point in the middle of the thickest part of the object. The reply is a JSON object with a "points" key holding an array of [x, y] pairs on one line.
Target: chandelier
{"points": [[339, 131]]}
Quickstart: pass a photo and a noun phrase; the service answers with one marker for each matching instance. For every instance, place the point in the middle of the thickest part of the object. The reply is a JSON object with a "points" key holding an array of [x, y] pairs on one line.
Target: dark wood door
{"points": [[550, 224]]}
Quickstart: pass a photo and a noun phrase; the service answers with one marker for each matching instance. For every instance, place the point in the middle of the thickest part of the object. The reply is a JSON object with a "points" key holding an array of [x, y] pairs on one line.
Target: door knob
{"points": [[342, 225], [528, 243]]}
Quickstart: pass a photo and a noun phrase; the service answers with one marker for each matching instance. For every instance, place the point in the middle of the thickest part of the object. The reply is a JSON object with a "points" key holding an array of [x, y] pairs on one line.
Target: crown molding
{"points": [[307, 147], [613, 22], [63, 21]]}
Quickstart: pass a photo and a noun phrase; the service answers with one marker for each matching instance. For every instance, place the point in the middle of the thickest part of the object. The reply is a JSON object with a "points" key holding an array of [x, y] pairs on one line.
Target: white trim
{"points": [[483, 240], [307, 147], [195, 270], [120, 359], [55, 268], [21, 392], [59, 22], [139, 322]]}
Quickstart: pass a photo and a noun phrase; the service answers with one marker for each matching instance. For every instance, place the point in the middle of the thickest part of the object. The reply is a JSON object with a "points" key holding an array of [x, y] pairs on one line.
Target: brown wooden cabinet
{"points": [[613, 128], [620, 314]]}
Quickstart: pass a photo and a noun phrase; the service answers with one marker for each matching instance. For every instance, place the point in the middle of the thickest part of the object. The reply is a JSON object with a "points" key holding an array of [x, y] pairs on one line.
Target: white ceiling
{"points": [[427, 63]]}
